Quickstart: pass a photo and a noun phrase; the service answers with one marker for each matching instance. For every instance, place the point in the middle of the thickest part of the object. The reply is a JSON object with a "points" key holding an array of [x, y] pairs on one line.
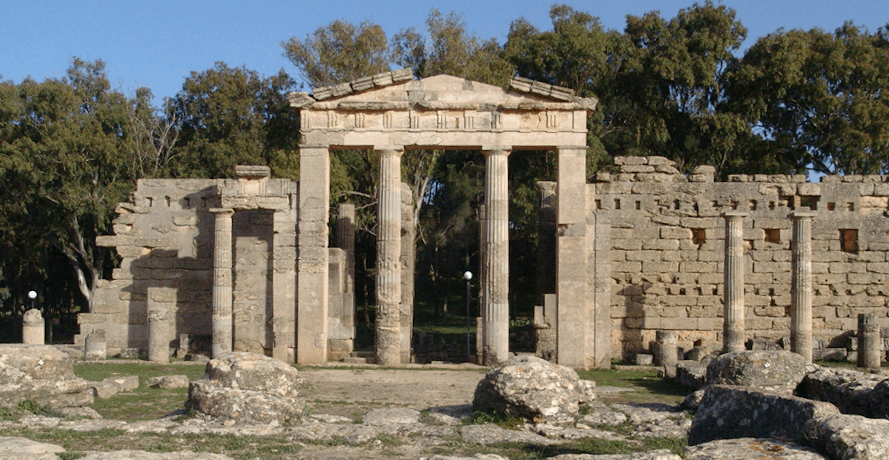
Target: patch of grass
{"points": [[7, 415], [389, 440], [71, 455], [31, 406], [645, 383], [144, 403], [505, 421]]}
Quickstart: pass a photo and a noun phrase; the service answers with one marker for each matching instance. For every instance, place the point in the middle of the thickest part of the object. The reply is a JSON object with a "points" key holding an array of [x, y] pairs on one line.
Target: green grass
{"points": [[144, 403], [645, 384]]}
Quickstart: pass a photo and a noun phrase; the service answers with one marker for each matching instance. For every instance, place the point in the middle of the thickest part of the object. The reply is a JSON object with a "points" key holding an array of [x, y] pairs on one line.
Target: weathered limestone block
{"points": [[23, 448], [747, 448], [728, 412], [247, 387], [691, 374], [533, 388], [850, 437], [33, 327], [773, 370], [42, 373], [167, 381], [660, 454], [853, 392]]}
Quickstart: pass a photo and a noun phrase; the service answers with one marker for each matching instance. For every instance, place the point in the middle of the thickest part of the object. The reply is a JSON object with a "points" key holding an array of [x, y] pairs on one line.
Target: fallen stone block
{"points": [[728, 412], [124, 383], [168, 381], [15, 447], [41, 373], [849, 437], [772, 370], [534, 388], [248, 387], [853, 392], [105, 390], [691, 374], [749, 448]]}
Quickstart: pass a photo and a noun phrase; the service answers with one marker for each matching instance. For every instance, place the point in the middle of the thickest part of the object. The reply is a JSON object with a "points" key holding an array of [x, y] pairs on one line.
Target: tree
{"points": [[818, 99], [339, 52], [230, 116], [66, 160]]}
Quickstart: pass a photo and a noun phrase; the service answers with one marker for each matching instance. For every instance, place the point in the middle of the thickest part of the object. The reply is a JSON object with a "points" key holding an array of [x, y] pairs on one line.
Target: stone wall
{"points": [[165, 239], [665, 235]]}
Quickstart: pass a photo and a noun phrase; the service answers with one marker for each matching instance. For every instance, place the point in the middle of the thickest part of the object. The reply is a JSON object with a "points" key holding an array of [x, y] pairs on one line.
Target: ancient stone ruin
{"points": [[245, 264]]}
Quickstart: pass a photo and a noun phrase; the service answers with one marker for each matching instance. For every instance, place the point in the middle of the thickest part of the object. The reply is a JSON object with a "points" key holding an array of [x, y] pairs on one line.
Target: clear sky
{"points": [[157, 43]]}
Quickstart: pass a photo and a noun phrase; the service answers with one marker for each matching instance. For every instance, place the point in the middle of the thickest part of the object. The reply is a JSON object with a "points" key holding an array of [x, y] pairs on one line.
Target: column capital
{"points": [[489, 149], [730, 214], [397, 149], [803, 214], [222, 210]]}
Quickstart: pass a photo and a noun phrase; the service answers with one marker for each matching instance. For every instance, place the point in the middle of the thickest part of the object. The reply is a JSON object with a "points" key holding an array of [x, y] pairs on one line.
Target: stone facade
{"points": [[665, 234], [172, 269]]}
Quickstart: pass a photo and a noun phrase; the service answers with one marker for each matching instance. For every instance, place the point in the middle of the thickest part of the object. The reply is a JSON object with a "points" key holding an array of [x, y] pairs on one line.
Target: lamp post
{"points": [[468, 277], [32, 295]]}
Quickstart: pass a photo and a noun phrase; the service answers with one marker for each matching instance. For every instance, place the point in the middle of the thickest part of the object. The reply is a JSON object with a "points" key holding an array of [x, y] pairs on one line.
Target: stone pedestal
{"points": [[868, 341], [496, 288], [388, 321], [158, 340], [222, 282], [733, 325], [33, 327], [667, 351], [801, 286], [94, 346]]}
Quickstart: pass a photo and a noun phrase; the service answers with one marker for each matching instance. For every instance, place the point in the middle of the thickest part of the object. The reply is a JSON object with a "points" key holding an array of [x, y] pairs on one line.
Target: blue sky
{"points": [[157, 43]]}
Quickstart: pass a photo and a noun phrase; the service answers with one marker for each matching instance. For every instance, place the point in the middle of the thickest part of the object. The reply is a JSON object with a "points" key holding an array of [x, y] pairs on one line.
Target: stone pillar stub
{"points": [[94, 346], [158, 325], [222, 282], [496, 297], [388, 319], [312, 259], [33, 327], [868, 341], [667, 351], [801, 285], [733, 325], [572, 281]]}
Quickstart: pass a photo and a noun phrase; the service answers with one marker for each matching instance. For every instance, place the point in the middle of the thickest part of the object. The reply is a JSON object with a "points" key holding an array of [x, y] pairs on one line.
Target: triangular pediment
{"points": [[383, 90]]}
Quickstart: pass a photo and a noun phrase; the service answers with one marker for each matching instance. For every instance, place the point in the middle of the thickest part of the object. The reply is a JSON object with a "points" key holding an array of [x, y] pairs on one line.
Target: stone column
{"points": [[801, 286], [222, 282], [284, 285], [667, 351], [408, 264], [345, 240], [388, 321], [33, 327], [496, 297], [572, 278], [314, 198], [868, 341], [158, 342], [733, 326]]}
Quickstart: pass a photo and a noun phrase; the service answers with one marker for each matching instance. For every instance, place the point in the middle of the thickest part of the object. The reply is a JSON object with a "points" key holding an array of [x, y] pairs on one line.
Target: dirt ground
{"points": [[351, 392]]}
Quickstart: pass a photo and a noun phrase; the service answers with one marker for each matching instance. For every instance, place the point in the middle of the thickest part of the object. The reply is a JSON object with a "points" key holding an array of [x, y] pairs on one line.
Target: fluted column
{"points": [[496, 287], [388, 321], [733, 326], [222, 282], [801, 287]]}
